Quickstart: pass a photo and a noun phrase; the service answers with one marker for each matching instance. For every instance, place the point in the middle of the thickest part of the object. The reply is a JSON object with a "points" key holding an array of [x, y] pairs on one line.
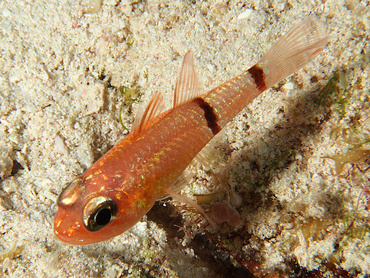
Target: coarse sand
{"points": [[62, 74]]}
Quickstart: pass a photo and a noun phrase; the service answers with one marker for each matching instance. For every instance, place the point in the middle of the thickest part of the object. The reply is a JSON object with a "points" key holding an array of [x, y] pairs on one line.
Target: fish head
{"points": [[87, 216]]}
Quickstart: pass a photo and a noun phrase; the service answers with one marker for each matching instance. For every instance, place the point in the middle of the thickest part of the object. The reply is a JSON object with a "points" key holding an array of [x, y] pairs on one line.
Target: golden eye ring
{"points": [[99, 212]]}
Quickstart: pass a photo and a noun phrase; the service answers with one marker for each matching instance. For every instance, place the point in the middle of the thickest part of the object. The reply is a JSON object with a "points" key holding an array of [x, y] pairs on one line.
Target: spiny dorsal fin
{"points": [[187, 84], [187, 88], [153, 109]]}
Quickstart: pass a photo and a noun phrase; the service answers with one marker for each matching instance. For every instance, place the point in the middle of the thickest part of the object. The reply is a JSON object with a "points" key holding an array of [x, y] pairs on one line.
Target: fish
{"points": [[123, 185]]}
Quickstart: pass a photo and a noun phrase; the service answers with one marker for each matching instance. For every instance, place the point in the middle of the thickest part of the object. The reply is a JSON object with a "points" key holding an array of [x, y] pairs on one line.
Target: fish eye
{"points": [[99, 212]]}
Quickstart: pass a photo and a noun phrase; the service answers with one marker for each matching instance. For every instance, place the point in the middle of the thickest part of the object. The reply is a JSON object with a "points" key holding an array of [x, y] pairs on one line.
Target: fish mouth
{"points": [[67, 239], [65, 231], [75, 233]]}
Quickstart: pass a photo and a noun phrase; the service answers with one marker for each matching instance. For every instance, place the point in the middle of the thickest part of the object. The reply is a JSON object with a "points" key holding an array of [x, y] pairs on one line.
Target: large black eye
{"points": [[99, 212]]}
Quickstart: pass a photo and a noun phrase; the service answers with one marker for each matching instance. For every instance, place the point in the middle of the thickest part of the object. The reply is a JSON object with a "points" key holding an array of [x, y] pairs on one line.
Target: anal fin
{"points": [[192, 203], [212, 155]]}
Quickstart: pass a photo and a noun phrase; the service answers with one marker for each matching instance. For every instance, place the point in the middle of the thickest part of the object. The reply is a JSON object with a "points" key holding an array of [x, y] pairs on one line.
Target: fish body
{"points": [[124, 184]]}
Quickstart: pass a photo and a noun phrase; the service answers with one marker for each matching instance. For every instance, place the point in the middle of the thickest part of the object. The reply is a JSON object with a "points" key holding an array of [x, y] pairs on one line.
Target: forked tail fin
{"points": [[292, 51]]}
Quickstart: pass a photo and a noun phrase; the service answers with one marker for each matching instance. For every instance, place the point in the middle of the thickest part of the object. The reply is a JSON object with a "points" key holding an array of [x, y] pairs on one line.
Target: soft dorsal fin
{"points": [[153, 109], [187, 84]]}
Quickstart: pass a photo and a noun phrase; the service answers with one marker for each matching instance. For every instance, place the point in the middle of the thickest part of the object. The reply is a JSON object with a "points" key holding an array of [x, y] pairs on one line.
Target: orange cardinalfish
{"points": [[124, 184]]}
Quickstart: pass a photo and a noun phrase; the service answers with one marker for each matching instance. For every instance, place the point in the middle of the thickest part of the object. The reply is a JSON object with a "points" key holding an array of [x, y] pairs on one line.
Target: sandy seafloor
{"points": [[61, 71]]}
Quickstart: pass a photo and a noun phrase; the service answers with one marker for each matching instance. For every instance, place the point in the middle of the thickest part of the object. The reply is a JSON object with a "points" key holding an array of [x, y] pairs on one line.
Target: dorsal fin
{"points": [[187, 84], [187, 88], [143, 116]]}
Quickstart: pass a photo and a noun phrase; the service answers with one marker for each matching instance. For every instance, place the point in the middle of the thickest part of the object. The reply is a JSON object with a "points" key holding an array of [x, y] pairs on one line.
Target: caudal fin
{"points": [[295, 49]]}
